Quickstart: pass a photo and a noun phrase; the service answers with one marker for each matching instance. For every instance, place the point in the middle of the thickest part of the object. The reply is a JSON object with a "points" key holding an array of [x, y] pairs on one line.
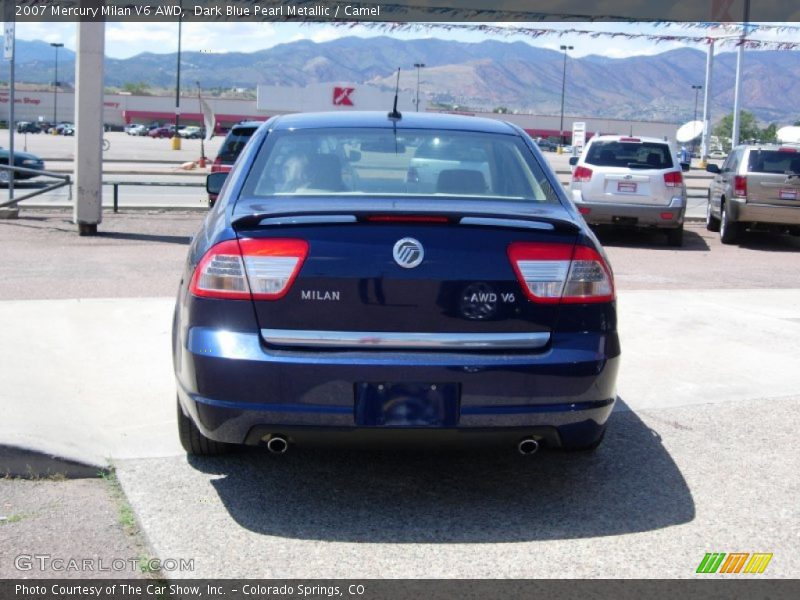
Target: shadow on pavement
{"points": [[648, 238], [769, 242], [630, 484], [183, 240]]}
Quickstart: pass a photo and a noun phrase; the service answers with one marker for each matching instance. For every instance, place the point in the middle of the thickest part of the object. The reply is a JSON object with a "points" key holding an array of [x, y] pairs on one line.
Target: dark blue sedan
{"points": [[407, 278]]}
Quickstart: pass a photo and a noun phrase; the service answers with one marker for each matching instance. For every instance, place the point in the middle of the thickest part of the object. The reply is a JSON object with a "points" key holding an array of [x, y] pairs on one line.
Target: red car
{"points": [[166, 131]]}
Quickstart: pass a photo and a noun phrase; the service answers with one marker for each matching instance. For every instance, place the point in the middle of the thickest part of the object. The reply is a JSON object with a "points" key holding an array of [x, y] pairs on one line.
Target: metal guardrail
{"points": [[117, 184], [65, 181]]}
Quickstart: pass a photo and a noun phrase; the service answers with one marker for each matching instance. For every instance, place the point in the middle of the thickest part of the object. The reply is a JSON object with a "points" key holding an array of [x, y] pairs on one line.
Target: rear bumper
{"points": [[749, 212], [639, 215], [236, 390]]}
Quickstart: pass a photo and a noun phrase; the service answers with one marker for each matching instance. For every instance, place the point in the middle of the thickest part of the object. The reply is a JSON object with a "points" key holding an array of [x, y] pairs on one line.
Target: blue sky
{"points": [[127, 39]]}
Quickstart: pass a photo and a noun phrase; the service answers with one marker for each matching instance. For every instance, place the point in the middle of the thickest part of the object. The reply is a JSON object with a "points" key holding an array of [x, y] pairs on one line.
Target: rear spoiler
{"points": [[480, 219]]}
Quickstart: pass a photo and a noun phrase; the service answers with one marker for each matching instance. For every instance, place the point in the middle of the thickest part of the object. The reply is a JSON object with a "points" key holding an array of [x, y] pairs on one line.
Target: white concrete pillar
{"points": [[89, 127]]}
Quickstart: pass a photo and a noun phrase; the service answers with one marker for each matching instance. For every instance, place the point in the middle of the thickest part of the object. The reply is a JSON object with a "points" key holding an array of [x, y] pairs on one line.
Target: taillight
{"points": [[554, 273], [673, 179], [740, 185], [216, 166], [263, 269], [582, 174]]}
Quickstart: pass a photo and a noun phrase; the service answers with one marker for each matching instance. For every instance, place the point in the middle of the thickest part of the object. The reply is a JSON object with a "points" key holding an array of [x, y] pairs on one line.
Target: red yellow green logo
{"points": [[736, 562]]}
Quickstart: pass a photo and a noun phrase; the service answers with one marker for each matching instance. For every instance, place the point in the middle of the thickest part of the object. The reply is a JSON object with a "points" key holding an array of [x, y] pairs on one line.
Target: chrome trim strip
{"points": [[514, 223], [384, 339], [308, 220]]}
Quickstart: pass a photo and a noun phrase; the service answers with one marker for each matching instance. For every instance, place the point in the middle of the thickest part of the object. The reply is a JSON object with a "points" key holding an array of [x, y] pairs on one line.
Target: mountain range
{"points": [[480, 76]]}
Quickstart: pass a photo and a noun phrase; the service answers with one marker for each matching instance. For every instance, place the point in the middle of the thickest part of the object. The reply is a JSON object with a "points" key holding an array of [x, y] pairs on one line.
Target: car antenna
{"points": [[395, 114]]}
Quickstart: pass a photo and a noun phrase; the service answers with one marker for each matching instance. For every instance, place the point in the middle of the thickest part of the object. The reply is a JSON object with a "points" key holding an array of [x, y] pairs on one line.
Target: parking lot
{"points": [[700, 455]]}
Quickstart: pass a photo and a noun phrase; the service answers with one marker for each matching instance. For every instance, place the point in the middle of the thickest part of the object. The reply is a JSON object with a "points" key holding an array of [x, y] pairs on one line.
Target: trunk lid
{"points": [[352, 283]]}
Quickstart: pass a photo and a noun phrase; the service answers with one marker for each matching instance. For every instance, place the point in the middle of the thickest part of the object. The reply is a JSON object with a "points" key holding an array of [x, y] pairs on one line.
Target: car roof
{"points": [[616, 138], [380, 119]]}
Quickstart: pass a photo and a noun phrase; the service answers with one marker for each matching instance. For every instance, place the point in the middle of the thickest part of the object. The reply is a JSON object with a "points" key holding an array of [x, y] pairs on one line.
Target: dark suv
{"points": [[237, 138]]}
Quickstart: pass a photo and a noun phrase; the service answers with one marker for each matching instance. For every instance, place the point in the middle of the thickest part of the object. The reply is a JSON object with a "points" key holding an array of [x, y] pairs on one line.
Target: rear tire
{"points": [[712, 222], [675, 237], [728, 231], [194, 442]]}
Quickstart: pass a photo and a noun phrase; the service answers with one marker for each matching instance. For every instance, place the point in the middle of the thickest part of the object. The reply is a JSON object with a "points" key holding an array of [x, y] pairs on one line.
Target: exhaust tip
{"points": [[528, 446], [277, 444]]}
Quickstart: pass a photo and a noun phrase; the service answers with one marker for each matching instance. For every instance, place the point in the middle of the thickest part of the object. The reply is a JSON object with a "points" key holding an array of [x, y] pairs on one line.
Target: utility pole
{"points": [[561, 135]]}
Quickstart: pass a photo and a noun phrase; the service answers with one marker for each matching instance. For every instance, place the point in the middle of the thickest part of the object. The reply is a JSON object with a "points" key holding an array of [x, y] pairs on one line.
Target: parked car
{"points": [[191, 132], [631, 182], [322, 299], [21, 159], [136, 129], [232, 145], [546, 145], [757, 187], [164, 131], [65, 128], [717, 154], [28, 127]]}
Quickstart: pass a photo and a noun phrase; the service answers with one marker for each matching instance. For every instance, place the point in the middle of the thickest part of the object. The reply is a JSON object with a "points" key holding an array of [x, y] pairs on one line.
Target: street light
{"points": [[564, 49], [55, 45], [418, 66], [176, 139], [696, 89]]}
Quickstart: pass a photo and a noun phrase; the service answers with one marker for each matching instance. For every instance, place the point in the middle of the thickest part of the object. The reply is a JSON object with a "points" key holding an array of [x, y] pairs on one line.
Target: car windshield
{"points": [[634, 155], [344, 161], [774, 161]]}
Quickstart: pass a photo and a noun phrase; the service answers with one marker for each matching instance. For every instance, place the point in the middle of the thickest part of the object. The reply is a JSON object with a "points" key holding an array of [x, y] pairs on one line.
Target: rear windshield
{"points": [[345, 161], [774, 161], [632, 155], [236, 140]]}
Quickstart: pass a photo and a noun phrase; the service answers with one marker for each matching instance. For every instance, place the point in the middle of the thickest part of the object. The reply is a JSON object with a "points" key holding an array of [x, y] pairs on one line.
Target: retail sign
{"points": [[341, 96]]}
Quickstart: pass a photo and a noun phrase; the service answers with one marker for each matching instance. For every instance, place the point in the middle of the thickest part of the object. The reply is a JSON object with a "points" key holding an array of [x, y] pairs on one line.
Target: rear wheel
{"points": [[712, 222], [728, 231], [675, 236], [195, 442], [5, 177]]}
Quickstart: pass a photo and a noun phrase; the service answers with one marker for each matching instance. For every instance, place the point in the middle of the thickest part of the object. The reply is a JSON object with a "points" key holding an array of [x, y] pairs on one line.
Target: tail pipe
{"points": [[527, 446], [277, 444]]}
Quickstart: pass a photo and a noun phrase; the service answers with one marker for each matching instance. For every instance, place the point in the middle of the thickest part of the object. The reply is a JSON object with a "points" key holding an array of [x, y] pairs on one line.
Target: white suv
{"points": [[630, 181]]}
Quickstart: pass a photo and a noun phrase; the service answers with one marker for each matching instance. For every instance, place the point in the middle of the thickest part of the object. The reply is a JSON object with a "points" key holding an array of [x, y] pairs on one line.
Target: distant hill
{"points": [[481, 75]]}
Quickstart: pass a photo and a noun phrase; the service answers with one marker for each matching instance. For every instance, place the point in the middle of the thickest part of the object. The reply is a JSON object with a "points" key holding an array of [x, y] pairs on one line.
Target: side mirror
{"points": [[685, 167], [712, 168], [354, 156], [573, 160], [215, 181]]}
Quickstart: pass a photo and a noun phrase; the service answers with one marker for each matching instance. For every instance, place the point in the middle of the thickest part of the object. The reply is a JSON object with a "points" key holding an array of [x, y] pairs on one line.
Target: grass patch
{"points": [[15, 518], [125, 516]]}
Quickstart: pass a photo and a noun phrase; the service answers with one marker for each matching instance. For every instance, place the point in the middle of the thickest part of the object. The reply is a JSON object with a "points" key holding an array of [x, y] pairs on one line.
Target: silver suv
{"points": [[630, 181], [758, 186]]}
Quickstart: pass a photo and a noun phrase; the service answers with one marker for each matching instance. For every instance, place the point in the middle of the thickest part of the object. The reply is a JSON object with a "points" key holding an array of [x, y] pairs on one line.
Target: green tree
{"points": [[501, 110], [748, 127], [137, 89], [769, 134]]}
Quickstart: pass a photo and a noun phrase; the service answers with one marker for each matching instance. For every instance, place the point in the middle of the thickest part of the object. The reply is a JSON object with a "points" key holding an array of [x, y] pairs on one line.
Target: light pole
{"points": [[564, 49], [176, 139], [696, 89], [418, 66], [55, 45]]}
